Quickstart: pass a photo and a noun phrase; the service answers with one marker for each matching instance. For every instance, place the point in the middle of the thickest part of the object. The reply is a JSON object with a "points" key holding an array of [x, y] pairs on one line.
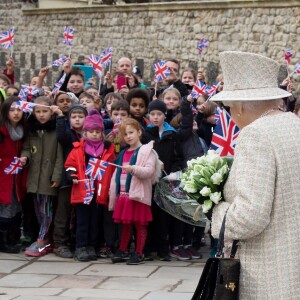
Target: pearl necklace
{"points": [[267, 112]]}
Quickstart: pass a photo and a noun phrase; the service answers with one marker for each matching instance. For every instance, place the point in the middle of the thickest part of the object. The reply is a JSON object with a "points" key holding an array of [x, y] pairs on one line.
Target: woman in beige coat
{"points": [[262, 193]]}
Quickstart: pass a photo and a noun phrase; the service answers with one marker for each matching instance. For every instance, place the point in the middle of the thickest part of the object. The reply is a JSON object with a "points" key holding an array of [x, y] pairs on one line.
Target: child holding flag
{"points": [[11, 192], [88, 168], [43, 155], [131, 190]]}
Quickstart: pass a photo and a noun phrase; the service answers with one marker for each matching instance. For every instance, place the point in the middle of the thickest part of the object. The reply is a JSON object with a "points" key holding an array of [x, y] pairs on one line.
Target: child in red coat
{"points": [[87, 203]]}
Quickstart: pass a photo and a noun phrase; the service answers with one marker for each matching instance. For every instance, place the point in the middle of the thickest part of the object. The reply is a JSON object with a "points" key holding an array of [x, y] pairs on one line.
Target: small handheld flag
{"points": [[68, 35], [198, 89], [203, 43], [58, 84], [96, 168], [60, 61], [96, 63], [25, 106], [225, 135], [7, 38], [15, 166], [89, 188], [161, 71], [288, 54], [211, 90], [106, 56]]}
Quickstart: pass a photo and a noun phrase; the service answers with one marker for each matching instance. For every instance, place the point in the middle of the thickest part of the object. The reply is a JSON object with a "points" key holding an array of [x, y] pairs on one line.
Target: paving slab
{"points": [[177, 273], [23, 280], [101, 293], [117, 270], [18, 256], [168, 296], [7, 266], [53, 267], [45, 298], [186, 286], [71, 281], [31, 291], [139, 284], [175, 263]]}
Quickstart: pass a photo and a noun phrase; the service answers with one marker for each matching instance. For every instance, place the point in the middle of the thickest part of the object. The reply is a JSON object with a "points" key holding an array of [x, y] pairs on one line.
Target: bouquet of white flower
{"points": [[205, 177]]}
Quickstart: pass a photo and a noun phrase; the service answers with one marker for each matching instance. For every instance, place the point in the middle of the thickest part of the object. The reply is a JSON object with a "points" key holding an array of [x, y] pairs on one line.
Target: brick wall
{"points": [[148, 32]]}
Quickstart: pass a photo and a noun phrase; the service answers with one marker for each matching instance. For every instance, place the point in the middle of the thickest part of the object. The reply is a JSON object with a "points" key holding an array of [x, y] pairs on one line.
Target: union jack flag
{"points": [[15, 166], [96, 168], [25, 106], [161, 71], [59, 83], [217, 114], [297, 68], [225, 135], [68, 35], [203, 43], [96, 62], [199, 88], [30, 90], [288, 54], [89, 188], [105, 56], [23, 94], [7, 38], [60, 61], [211, 90]]}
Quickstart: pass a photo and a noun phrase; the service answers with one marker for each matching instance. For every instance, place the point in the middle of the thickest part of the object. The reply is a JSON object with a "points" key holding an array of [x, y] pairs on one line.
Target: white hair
{"points": [[255, 105]]}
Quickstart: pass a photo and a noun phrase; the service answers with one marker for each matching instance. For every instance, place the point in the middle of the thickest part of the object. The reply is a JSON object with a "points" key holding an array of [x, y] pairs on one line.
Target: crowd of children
{"points": [[136, 134]]}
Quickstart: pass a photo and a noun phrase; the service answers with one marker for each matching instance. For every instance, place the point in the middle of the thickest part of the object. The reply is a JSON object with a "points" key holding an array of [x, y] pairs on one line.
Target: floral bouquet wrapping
{"points": [[205, 177], [190, 195]]}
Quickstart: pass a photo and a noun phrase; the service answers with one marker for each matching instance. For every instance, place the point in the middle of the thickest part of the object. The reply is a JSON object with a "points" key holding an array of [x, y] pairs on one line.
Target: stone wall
{"points": [[150, 32]]}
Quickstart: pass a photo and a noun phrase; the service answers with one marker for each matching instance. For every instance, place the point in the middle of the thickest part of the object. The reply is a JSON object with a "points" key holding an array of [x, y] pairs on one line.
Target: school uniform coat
{"points": [[45, 160], [76, 162], [262, 196]]}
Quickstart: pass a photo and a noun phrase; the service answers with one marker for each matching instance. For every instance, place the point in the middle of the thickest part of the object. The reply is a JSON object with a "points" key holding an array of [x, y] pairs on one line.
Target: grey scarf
{"points": [[15, 134]]}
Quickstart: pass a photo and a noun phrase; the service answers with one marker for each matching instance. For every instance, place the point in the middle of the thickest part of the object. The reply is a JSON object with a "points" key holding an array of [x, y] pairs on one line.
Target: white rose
{"points": [[205, 191], [190, 188], [215, 197], [206, 206], [223, 170], [216, 178], [212, 157]]}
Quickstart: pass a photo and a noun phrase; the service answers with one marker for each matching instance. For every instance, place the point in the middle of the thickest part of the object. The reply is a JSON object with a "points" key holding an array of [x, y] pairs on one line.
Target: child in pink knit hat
{"points": [[90, 189]]}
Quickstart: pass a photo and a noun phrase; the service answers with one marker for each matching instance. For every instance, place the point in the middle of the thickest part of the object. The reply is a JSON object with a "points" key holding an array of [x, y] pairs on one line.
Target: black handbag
{"points": [[220, 276]]}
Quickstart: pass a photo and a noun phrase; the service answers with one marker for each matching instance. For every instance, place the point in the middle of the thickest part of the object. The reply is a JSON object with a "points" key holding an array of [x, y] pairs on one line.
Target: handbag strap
{"points": [[221, 241]]}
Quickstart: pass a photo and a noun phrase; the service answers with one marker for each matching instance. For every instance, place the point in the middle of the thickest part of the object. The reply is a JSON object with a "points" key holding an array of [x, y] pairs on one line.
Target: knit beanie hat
{"points": [[93, 121], [77, 107], [157, 105]]}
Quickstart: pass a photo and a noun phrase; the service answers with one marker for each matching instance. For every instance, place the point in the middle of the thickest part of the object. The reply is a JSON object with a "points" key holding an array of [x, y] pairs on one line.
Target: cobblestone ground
{"points": [[51, 277]]}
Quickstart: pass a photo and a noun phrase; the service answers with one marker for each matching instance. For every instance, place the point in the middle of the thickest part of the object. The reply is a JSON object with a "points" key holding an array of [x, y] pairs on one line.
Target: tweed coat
{"points": [[262, 195]]}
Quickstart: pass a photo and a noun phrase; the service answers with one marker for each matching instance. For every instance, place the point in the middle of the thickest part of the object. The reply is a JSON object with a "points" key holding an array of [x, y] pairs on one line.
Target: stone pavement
{"points": [[53, 278]]}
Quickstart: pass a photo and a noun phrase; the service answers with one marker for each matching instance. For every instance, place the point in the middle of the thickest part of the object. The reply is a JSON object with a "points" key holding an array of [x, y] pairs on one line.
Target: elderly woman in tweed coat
{"points": [[262, 193]]}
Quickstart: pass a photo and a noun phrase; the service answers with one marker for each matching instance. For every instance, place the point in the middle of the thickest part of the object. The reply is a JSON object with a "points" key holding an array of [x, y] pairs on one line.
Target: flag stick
{"points": [[155, 88], [200, 60], [70, 49], [114, 165], [11, 50], [100, 82]]}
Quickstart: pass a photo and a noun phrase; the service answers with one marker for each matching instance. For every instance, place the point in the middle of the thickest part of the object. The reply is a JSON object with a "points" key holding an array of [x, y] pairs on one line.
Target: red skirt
{"points": [[130, 211]]}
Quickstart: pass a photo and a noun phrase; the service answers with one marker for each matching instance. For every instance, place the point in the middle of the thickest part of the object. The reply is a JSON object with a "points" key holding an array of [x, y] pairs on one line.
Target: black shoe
{"points": [[10, 249], [81, 254], [135, 259], [91, 252], [120, 256], [165, 257]]}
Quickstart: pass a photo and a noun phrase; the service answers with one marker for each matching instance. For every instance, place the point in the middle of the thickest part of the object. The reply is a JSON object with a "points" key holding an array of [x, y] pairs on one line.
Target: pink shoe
{"points": [[37, 250]]}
